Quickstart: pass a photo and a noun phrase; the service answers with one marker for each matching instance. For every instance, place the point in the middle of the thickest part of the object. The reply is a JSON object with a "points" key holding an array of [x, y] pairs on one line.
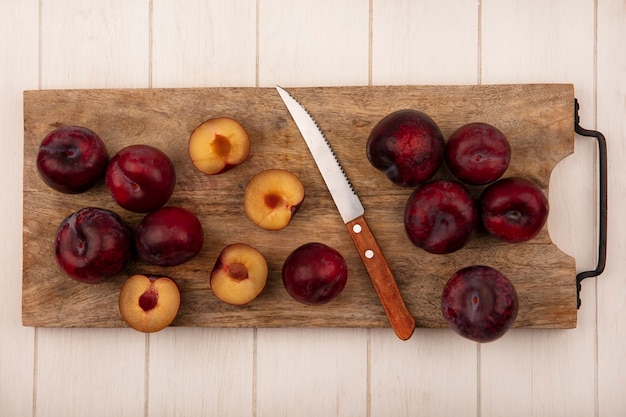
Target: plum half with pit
{"points": [[479, 303], [72, 159], [239, 274], [218, 145], [407, 146], [272, 198], [149, 303], [440, 216]]}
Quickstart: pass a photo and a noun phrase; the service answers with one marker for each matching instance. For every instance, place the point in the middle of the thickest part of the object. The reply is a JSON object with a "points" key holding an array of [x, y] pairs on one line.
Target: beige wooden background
{"points": [[324, 372]]}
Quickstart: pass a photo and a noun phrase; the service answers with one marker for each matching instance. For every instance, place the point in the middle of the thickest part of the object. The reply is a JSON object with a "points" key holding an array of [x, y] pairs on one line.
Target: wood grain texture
{"points": [[18, 71], [317, 372], [317, 42], [414, 43], [74, 364], [201, 372], [536, 118], [311, 371], [198, 371], [198, 44], [433, 372], [85, 371], [383, 281], [611, 337], [534, 42], [94, 44]]}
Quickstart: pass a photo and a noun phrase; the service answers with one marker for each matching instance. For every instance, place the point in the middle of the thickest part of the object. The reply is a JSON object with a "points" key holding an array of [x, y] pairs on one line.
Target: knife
{"points": [[352, 212]]}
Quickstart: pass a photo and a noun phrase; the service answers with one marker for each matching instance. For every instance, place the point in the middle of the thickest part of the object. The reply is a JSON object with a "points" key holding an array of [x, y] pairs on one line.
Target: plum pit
{"points": [[149, 299]]}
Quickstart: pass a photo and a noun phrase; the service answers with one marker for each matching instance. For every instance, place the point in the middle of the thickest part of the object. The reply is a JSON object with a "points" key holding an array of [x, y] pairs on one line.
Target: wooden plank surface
{"points": [[18, 71], [542, 365], [537, 118], [611, 286], [436, 372]]}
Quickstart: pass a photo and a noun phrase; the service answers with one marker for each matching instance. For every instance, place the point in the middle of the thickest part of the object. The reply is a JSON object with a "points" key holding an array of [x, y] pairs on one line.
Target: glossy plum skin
{"points": [[314, 273], [72, 159], [408, 146], [92, 244], [169, 236], [479, 303], [478, 153], [140, 178], [440, 216], [513, 209]]}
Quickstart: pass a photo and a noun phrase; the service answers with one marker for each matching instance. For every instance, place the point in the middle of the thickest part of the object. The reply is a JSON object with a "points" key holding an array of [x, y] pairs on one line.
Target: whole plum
{"points": [[407, 146], [513, 209], [72, 159], [314, 273], [478, 153], [479, 303], [141, 178], [92, 244], [169, 236], [440, 216]]}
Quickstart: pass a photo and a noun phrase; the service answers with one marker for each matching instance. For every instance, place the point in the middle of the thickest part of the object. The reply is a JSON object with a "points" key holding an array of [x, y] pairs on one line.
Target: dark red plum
{"points": [[314, 273], [169, 236], [72, 159], [478, 153], [407, 146], [92, 244], [440, 216], [513, 209], [141, 178], [479, 303]]}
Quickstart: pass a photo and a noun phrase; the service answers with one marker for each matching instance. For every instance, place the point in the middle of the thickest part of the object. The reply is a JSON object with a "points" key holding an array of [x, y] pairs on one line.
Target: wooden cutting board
{"points": [[537, 119]]}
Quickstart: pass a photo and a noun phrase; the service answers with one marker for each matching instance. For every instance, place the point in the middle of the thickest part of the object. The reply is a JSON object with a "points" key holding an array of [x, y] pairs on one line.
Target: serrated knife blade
{"points": [[352, 213]]}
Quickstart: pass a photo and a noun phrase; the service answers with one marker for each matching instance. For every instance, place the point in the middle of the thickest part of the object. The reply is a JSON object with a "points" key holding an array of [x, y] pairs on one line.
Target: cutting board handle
{"points": [[602, 201]]}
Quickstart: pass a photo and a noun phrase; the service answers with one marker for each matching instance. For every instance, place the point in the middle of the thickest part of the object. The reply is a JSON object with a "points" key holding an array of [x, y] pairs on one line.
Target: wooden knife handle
{"points": [[385, 285]]}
